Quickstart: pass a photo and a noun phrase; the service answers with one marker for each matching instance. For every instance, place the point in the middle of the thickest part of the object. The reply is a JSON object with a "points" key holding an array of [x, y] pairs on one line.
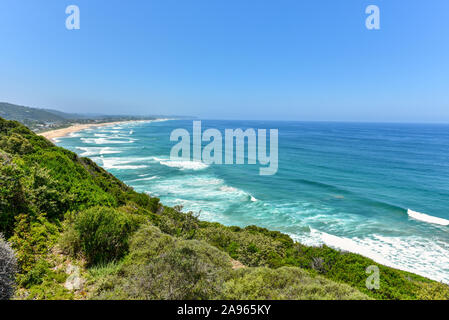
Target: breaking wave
{"points": [[427, 218]]}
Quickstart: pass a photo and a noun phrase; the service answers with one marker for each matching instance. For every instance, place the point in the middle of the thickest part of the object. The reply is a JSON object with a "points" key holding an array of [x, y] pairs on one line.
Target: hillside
{"points": [[80, 233], [20, 113], [37, 119]]}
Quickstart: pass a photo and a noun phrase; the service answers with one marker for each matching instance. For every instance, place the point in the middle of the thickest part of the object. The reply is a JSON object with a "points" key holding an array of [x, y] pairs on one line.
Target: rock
{"points": [[237, 264]]}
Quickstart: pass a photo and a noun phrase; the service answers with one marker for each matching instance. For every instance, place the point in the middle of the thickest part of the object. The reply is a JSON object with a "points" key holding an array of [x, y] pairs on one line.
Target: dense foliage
{"points": [[162, 267], [62, 213], [286, 283]]}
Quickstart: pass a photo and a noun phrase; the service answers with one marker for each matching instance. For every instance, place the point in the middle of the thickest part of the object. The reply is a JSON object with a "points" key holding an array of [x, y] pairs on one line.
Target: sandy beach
{"points": [[58, 133]]}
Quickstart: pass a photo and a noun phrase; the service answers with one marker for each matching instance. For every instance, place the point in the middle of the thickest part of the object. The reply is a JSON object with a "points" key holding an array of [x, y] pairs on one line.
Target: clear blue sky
{"points": [[230, 59]]}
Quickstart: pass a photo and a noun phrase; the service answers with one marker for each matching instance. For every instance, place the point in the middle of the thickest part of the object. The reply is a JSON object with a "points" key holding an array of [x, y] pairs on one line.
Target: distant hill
{"points": [[65, 115], [21, 113], [47, 119]]}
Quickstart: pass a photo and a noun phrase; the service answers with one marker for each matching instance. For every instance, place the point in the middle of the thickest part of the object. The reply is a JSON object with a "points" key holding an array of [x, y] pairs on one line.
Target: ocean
{"points": [[381, 190]]}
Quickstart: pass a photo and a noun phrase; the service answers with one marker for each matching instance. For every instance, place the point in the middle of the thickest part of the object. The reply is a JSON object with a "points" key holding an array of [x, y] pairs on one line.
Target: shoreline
{"points": [[339, 243], [52, 135]]}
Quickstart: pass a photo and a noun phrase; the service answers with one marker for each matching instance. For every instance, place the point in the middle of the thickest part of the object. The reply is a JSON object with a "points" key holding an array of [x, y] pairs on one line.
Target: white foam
{"points": [[144, 175], [427, 218], [413, 254], [91, 151], [201, 191], [350, 245], [106, 141], [228, 189], [109, 150], [144, 179], [184, 164], [87, 151], [120, 164]]}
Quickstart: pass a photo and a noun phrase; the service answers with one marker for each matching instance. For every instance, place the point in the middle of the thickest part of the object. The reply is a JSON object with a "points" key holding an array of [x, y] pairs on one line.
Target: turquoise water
{"points": [[343, 184]]}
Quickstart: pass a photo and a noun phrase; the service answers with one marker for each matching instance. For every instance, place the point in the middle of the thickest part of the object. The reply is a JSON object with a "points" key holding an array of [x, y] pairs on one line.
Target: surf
{"points": [[427, 218]]}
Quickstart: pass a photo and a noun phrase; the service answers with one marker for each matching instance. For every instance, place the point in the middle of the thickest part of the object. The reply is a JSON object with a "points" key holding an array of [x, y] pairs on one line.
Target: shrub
{"points": [[42, 193], [8, 269], [32, 240], [12, 196], [177, 223], [15, 143], [145, 201], [162, 267], [285, 283], [252, 246], [147, 243], [100, 234], [51, 287]]}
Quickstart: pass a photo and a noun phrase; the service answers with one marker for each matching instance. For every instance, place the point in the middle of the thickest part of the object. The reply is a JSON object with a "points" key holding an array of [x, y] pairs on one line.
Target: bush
{"points": [[177, 223], [15, 143], [145, 201], [100, 234], [8, 269], [147, 243], [12, 195], [252, 246], [32, 240], [51, 286], [286, 283], [162, 267]]}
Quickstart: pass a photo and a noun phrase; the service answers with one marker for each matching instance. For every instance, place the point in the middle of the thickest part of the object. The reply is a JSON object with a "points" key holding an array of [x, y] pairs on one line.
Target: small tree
{"points": [[8, 270]]}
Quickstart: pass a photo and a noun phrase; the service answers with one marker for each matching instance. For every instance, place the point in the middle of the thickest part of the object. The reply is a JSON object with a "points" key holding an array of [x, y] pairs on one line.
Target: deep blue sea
{"points": [[347, 185]]}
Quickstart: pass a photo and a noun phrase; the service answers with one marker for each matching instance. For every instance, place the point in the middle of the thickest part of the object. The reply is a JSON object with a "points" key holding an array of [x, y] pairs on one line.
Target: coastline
{"points": [[284, 251], [59, 133], [329, 239]]}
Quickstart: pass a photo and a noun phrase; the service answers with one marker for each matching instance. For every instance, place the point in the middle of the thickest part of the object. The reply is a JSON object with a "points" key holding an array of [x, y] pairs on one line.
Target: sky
{"points": [[233, 59]]}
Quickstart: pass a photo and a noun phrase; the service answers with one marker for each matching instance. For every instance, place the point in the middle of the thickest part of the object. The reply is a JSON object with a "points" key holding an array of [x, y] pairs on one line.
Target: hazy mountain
{"points": [[21, 113]]}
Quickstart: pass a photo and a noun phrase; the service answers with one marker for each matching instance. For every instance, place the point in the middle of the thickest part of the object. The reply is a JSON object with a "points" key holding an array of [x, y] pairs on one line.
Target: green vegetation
{"points": [[33, 238], [162, 267], [61, 212], [99, 234], [285, 283]]}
